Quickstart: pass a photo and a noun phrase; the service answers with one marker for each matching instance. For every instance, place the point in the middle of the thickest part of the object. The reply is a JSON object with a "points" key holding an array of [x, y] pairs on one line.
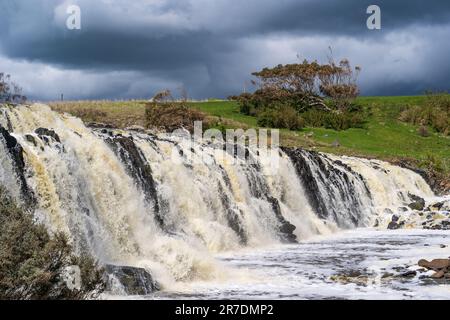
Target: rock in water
{"points": [[437, 264], [43, 132], [135, 281], [393, 226], [409, 274], [417, 204], [286, 229], [437, 206], [136, 128], [438, 275]]}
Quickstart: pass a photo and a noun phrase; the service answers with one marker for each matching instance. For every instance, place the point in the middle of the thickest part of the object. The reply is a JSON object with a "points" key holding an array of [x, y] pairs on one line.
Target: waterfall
{"points": [[163, 203]]}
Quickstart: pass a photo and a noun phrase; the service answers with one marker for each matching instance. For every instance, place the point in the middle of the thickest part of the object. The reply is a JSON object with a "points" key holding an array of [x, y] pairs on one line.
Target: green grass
{"points": [[225, 110], [383, 136]]}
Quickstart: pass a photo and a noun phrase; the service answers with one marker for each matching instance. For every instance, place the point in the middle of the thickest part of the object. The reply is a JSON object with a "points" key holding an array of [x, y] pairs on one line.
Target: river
{"points": [[304, 270]]}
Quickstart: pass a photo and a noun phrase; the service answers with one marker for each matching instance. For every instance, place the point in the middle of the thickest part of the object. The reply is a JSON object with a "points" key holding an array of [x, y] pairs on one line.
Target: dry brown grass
{"points": [[119, 114]]}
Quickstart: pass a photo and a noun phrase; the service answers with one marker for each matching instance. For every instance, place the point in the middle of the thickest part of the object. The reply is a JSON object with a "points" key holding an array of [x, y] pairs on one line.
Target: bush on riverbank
{"points": [[335, 121], [435, 113], [282, 116], [164, 113], [33, 263]]}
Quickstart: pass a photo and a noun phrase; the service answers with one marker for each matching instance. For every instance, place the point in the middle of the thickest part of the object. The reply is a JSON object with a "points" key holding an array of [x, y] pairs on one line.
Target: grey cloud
{"points": [[211, 47]]}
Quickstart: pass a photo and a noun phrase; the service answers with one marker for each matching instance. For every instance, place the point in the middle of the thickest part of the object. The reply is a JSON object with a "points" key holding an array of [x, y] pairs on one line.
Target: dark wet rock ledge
{"points": [[134, 281]]}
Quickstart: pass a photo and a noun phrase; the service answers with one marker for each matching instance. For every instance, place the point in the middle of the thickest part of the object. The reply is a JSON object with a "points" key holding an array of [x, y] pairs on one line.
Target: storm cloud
{"points": [[130, 49]]}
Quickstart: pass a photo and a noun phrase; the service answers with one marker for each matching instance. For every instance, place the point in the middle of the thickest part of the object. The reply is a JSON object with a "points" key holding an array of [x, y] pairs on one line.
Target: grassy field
{"points": [[383, 136], [120, 114]]}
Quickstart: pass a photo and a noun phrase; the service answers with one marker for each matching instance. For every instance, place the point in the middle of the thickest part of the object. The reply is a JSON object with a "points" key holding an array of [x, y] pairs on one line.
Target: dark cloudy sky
{"points": [[130, 49]]}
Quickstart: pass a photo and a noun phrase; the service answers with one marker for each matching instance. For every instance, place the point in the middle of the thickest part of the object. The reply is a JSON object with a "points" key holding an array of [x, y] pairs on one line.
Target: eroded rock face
{"points": [[43, 133], [135, 281], [233, 215], [334, 190], [16, 153], [138, 167], [286, 229]]}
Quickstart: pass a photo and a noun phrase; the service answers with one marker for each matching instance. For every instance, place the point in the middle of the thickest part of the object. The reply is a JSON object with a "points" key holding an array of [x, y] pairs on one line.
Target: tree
{"points": [[10, 92], [338, 83], [295, 84]]}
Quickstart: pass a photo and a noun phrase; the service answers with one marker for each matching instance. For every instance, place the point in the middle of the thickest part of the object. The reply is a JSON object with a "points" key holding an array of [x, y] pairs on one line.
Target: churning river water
{"points": [[311, 269]]}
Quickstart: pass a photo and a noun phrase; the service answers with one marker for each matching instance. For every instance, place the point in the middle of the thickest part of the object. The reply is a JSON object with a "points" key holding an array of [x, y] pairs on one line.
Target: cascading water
{"points": [[335, 190], [162, 203]]}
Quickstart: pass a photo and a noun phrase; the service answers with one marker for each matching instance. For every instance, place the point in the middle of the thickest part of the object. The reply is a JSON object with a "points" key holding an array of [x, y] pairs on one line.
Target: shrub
{"points": [[282, 116], [433, 163], [163, 113], [247, 104], [335, 121], [434, 113], [32, 262], [10, 92]]}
